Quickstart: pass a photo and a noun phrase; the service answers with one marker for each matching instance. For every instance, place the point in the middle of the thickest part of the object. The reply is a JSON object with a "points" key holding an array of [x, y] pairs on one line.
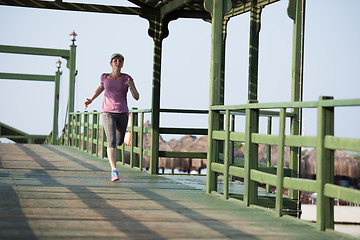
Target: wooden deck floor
{"points": [[49, 192]]}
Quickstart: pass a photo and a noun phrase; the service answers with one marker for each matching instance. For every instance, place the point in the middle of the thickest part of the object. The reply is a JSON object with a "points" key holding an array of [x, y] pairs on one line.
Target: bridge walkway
{"points": [[57, 192]]}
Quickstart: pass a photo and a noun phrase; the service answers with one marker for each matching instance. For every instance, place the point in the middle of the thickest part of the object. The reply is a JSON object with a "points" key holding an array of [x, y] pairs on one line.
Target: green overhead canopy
{"points": [[143, 8]]}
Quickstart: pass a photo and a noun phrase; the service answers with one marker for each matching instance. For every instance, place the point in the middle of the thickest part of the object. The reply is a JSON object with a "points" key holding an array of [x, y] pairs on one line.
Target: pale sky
{"points": [[332, 50]]}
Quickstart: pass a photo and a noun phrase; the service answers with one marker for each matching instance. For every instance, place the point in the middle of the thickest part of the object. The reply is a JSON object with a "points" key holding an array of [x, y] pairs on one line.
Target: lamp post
{"points": [[71, 67], [56, 103], [73, 37]]}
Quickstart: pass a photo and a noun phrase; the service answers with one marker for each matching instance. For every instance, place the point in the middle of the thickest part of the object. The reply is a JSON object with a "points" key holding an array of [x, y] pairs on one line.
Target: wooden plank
{"points": [[59, 192]]}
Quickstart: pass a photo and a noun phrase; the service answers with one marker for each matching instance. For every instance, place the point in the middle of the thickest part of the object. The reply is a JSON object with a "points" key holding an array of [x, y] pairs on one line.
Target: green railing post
{"points": [[268, 151], [97, 127], [86, 132], [123, 153], [324, 166], [56, 107], [280, 165], [77, 129], [251, 155], [68, 141], [103, 140], [141, 156], [93, 132], [226, 155], [232, 150], [132, 139]]}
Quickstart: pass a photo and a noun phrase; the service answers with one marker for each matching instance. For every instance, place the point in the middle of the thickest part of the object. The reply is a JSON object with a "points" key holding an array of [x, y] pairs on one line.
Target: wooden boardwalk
{"points": [[50, 192]]}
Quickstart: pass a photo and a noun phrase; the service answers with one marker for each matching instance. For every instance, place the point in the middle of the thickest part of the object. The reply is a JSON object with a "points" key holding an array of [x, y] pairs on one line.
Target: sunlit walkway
{"points": [[61, 193]]}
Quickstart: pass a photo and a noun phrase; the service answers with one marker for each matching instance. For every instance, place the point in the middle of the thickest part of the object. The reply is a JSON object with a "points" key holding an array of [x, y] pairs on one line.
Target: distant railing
{"points": [[84, 131], [325, 143]]}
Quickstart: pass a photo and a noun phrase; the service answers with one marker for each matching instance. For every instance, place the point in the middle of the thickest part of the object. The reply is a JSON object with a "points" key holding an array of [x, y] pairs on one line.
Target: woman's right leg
{"points": [[110, 131]]}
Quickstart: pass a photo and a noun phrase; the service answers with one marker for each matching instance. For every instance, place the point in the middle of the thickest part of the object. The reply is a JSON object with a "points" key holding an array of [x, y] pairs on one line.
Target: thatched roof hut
{"points": [[344, 164]]}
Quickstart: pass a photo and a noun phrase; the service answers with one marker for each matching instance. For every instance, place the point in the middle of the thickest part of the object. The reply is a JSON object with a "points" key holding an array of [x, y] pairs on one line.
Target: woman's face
{"points": [[117, 63]]}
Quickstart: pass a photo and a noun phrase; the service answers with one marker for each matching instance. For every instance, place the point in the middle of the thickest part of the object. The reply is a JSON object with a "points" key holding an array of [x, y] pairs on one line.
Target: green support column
{"points": [[155, 106], [158, 30], [255, 24], [217, 9], [324, 167], [56, 107], [252, 116], [296, 11]]}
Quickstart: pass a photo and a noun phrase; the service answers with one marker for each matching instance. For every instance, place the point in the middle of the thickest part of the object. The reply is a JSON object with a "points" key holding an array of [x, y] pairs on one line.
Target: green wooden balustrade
{"points": [[325, 143], [83, 129]]}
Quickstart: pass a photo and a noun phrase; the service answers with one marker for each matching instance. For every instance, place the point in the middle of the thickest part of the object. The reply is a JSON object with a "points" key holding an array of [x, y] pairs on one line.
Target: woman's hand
{"points": [[98, 91], [87, 102], [129, 83], [133, 89]]}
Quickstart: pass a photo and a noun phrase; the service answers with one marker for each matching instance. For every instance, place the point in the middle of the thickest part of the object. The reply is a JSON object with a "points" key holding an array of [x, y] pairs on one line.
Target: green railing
{"points": [[84, 131], [325, 142]]}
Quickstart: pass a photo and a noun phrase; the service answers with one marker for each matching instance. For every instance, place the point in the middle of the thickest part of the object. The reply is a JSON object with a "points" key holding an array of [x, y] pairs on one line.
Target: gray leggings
{"points": [[115, 128]]}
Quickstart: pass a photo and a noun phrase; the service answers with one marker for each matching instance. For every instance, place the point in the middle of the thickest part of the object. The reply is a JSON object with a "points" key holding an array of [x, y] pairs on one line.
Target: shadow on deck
{"points": [[59, 192]]}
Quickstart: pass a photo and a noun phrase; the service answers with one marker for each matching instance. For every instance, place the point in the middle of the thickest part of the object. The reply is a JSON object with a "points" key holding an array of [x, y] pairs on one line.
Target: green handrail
{"points": [[325, 143]]}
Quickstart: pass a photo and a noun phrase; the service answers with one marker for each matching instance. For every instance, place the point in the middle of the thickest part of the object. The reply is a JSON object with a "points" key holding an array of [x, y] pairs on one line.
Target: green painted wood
{"points": [[226, 155], [324, 167], [217, 167], [141, 146], [268, 150], [132, 139], [174, 154], [155, 104], [280, 165], [301, 141], [191, 111], [237, 171], [184, 131], [218, 135], [301, 184], [35, 51], [71, 65], [216, 95], [251, 156], [86, 133], [55, 130], [247, 7], [265, 139], [296, 11], [263, 177], [345, 144], [255, 22], [338, 192], [237, 136], [32, 77], [73, 6]]}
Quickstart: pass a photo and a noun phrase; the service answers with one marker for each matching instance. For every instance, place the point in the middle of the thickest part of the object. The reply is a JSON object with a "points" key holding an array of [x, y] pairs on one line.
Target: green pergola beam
{"points": [[32, 77], [59, 5], [172, 6], [35, 51]]}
